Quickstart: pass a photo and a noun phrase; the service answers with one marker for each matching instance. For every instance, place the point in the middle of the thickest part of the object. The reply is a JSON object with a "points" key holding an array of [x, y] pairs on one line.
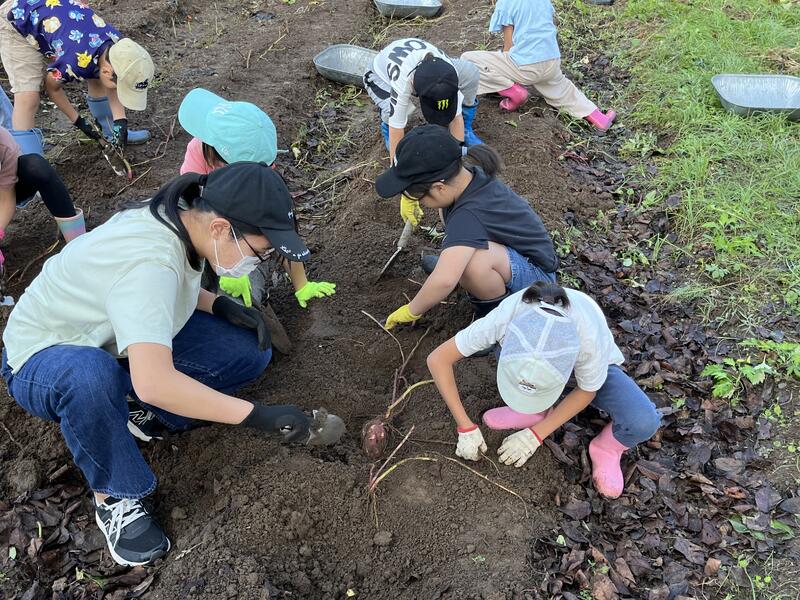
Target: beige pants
{"points": [[499, 72], [23, 63]]}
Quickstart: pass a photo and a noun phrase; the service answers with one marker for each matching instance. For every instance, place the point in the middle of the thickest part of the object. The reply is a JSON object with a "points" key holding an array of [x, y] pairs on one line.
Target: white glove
{"points": [[470, 444], [518, 447]]}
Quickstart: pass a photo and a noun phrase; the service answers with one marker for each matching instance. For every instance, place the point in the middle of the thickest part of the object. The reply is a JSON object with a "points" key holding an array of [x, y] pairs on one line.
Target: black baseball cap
{"points": [[425, 154], [253, 193], [436, 84]]}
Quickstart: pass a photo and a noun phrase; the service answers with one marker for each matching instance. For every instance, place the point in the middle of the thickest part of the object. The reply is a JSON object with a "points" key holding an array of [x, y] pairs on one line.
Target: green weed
{"points": [[738, 179]]}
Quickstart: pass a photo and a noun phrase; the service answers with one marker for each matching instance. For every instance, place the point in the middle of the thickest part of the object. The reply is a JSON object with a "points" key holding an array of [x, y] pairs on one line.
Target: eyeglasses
{"points": [[418, 191], [261, 256]]}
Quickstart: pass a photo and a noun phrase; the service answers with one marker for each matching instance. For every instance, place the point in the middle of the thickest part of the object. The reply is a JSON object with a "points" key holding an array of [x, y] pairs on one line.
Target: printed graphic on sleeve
{"points": [[67, 33]]}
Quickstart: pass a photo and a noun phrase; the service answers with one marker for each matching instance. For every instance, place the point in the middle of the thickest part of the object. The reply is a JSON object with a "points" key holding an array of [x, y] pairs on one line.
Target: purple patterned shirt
{"points": [[67, 32]]}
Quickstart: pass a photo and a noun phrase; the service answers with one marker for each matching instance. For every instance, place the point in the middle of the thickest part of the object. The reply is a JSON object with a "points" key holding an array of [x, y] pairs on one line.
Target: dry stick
{"points": [[271, 46], [376, 477], [33, 260], [132, 182], [378, 323], [403, 396], [338, 175], [21, 448], [485, 478], [414, 349], [400, 462]]}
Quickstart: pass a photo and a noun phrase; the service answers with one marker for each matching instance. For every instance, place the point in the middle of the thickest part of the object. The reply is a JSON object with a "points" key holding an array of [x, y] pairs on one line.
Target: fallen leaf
{"points": [[692, 552], [577, 509], [603, 588], [712, 567]]}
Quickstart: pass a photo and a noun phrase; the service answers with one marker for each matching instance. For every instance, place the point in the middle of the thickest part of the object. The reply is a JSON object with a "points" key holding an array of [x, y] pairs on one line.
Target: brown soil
{"points": [[248, 517]]}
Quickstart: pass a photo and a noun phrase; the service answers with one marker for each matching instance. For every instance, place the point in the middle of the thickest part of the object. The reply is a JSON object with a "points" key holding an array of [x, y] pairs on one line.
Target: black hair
{"points": [[486, 158], [182, 193], [212, 157], [546, 291], [481, 155]]}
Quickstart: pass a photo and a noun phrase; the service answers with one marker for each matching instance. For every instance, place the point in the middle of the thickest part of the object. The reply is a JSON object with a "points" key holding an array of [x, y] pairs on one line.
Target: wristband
{"points": [[533, 431], [472, 427]]}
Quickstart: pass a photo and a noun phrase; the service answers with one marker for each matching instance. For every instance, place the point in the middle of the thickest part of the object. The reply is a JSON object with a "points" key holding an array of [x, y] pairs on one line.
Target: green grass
{"points": [[738, 178]]}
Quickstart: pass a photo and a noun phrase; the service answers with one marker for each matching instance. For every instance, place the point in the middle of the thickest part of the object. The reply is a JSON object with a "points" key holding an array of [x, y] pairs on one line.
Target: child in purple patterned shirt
{"points": [[76, 44]]}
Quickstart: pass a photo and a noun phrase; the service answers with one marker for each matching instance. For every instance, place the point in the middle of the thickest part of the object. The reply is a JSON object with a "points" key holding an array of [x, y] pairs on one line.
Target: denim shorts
{"points": [[524, 272]]}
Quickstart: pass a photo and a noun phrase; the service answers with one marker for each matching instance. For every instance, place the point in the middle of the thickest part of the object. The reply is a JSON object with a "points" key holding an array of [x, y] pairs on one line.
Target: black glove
{"points": [[286, 419], [242, 316], [86, 128], [120, 133]]}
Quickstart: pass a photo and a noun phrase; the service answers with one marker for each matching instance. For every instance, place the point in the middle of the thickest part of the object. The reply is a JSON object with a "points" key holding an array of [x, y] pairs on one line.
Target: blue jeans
{"points": [[524, 272], [84, 390], [632, 413]]}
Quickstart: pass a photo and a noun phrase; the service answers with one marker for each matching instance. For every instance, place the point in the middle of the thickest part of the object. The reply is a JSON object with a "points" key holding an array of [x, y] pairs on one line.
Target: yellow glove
{"points": [[401, 315], [238, 287], [410, 210]]}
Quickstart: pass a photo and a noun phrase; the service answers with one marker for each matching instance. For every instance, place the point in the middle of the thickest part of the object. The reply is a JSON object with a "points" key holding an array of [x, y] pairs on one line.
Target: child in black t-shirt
{"points": [[494, 243]]}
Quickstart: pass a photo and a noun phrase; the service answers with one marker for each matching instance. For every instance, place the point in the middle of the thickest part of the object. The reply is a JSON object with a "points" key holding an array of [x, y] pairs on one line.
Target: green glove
{"points": [[238, 287], [314, 289]]}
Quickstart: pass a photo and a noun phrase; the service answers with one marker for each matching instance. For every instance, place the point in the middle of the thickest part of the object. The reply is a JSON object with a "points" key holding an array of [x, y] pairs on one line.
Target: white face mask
{"points": [[245, 266]]}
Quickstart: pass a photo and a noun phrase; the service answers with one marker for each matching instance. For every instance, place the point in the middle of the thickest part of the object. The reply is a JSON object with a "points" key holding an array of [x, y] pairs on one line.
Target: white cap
{"points": [[539, 352], [134, 70]]}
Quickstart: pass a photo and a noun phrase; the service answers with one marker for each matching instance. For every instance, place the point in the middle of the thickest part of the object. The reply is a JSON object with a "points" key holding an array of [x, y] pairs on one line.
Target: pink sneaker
{"points": [[606, 453], [601, 121], [503, 417], [514, 97]]}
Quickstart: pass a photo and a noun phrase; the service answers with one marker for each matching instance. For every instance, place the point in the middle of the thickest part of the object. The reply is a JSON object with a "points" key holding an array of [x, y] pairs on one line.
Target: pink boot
{"points": [[600, 120], [606, 453], [514, 97], [503, 417], [2, 256]]}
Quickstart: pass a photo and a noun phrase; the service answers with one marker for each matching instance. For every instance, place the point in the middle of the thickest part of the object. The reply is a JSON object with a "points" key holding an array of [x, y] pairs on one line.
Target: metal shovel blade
{"points": [[405, 237]]}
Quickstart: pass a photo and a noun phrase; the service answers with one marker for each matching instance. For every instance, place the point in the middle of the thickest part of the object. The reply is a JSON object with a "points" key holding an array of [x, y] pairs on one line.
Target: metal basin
{"points": [[345, 63], [406, 9], [749, 94]]}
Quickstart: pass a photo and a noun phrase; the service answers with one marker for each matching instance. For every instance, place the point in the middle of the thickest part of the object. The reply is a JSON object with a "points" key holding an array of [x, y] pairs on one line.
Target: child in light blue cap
{"points": [[226, 132], [530, 56]]}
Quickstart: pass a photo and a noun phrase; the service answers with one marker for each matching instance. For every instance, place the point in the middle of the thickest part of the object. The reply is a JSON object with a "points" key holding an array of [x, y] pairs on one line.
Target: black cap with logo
{"points": [[425, 154], [253, 193], [436, 84]]}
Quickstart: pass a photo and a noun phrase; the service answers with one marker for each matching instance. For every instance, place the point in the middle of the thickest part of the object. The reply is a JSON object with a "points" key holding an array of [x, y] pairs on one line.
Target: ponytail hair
{"points": [[546, 291], [166, 204], [486, 158]]}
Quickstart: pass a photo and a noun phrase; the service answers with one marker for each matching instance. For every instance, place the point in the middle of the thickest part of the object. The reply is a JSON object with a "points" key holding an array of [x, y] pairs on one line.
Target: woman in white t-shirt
{"points": [[547, 334], [120, 313]]}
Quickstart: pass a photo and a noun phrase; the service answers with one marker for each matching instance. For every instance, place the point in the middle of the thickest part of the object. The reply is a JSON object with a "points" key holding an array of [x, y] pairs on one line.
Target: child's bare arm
{"points": [[59, 97], [571, 405], [508, 35], [296, 272], [440, 364]]}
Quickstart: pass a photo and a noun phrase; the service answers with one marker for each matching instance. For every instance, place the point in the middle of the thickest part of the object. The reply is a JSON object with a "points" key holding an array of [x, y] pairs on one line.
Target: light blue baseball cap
{"points": [[238, 131]]}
